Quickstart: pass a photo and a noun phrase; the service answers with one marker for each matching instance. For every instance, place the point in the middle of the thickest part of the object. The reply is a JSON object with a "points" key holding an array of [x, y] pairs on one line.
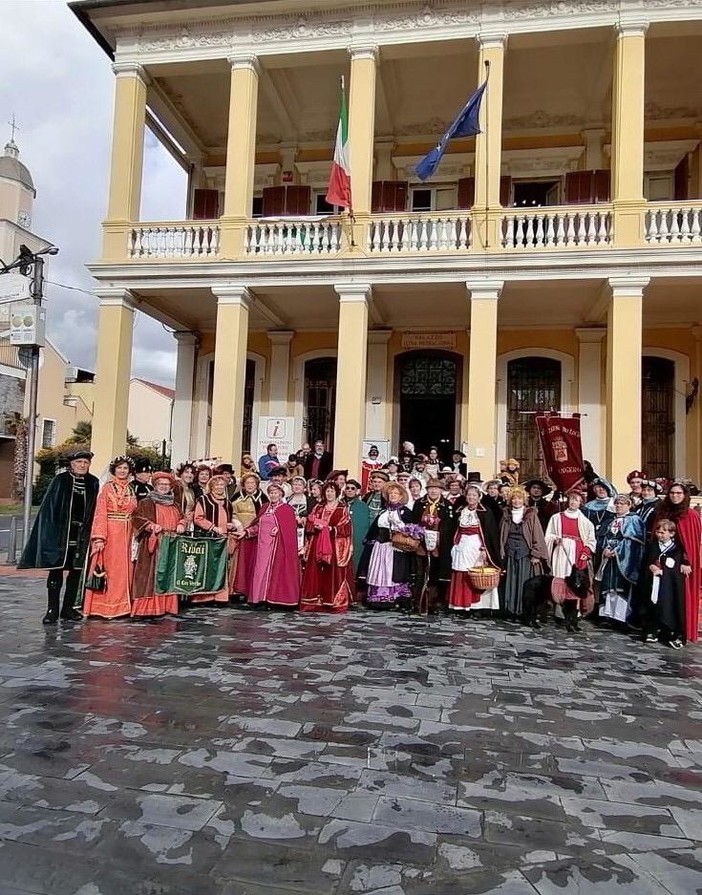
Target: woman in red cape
{"points": [[276, 572], [676, 506], [327, 583]]}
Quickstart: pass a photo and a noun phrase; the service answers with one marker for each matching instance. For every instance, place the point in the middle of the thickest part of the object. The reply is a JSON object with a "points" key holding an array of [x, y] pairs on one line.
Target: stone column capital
{"points": [[131, 70], [186, 337], [354, 292], [484, 289], [230, 294], [366, 51], [492, 40], [280, 336], [247, 61], [115, 297], [627, 287], [631, 28], [379, 336], [590, 334]]}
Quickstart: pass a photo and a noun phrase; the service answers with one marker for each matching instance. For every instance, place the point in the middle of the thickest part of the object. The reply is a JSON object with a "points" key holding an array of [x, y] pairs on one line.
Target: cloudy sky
{"points": [[58, 83]]}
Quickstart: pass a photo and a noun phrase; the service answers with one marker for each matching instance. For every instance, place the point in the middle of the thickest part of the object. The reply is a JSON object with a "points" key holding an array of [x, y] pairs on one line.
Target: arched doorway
{"points": [[658, 416], [428, 394], [319, 401], [533, 386]]}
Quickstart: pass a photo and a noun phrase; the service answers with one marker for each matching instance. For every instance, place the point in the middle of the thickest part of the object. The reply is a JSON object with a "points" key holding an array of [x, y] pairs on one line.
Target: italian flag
{"points": [[339, 190]]}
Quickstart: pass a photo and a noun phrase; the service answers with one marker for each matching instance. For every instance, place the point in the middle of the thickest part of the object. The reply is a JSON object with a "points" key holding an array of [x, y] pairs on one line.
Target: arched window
{"points": [[533, 386]]}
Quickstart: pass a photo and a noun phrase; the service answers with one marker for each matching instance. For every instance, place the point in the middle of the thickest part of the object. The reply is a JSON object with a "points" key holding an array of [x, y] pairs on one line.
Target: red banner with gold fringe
{"points": [[562, 449]]}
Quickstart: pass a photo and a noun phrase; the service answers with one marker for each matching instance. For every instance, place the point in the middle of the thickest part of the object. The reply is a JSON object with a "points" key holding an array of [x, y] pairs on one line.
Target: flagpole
{"points": [[487, 153], [352, 216]]}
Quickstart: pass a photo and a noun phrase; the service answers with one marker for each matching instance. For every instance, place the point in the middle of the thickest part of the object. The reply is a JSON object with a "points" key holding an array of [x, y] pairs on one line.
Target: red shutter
{"points": [[682, 175], [297, 200], [579, 188], [205, 205], [505, 191], [273, 201], [389, 195], [601, 187], [400, 195], [466, 192], [376, 196]]}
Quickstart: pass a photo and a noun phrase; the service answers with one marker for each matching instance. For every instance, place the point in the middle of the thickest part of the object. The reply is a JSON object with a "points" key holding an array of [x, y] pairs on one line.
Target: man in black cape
{"points": [[60, 537]]}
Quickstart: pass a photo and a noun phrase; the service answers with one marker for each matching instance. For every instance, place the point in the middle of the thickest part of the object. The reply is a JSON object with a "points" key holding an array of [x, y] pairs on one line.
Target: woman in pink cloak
{"points": [[276, 574]]}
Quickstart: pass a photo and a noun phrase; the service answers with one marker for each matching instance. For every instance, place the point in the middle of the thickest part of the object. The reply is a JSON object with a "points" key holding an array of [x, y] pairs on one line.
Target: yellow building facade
{"points": [[552, 263]]}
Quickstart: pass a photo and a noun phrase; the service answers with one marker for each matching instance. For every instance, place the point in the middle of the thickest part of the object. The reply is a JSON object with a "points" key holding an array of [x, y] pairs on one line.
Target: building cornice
{"points": [[378, 24]]}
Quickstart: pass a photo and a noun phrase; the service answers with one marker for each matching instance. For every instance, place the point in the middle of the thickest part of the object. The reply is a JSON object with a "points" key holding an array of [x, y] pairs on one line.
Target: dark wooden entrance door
{"points": [[320, 401], [533, 386], [657, 416], [428, 394]]}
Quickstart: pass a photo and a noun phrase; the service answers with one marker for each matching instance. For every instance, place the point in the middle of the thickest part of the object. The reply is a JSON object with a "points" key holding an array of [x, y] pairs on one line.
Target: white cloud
{"points": [[59, 84]]}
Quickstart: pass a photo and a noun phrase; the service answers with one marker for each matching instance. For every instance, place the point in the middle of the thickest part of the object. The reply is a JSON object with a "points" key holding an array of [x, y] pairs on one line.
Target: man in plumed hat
{"points": [[142, 478], [60, 536]]}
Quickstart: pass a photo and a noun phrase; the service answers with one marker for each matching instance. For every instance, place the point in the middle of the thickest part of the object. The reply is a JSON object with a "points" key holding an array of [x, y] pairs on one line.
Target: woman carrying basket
{"points": [[475, 545]]}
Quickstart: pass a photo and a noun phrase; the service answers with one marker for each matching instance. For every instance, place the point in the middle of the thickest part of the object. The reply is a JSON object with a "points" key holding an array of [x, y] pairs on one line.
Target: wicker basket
{"points": [[484, 578], [404, 543]]}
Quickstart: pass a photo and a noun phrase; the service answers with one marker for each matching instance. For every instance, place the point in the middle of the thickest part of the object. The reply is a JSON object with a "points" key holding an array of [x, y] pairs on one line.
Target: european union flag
{"points": [[464, 126]]}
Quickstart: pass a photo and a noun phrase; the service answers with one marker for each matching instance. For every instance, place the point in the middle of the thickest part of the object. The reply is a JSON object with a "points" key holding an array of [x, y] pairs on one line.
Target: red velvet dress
{"points": [[276, 573], [689, 533], [328, 580]]}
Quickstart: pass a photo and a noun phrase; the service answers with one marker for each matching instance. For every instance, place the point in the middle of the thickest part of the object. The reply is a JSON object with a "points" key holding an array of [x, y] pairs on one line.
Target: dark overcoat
{"points": [[47, 547]]}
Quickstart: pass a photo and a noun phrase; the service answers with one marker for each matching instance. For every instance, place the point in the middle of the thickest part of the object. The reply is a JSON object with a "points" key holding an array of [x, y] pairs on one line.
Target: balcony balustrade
{"points": [[553, 228], [199, 239], [678, 224], [293, 237]]}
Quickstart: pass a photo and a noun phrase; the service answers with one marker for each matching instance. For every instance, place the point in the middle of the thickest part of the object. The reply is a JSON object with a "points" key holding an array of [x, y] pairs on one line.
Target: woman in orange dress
{"points": [[157, 513], [214, 515], [111, 543]]}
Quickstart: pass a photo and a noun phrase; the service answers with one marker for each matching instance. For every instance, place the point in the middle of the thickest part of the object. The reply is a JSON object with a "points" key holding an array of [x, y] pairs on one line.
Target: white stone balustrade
{"points": [[420, 233], [556, 228], [178, 240], [293, 237], [674, 224]]}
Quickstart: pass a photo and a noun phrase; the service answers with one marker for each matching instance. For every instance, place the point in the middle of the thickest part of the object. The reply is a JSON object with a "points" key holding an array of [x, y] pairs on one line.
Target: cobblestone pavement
{"points": [[242, 753]]}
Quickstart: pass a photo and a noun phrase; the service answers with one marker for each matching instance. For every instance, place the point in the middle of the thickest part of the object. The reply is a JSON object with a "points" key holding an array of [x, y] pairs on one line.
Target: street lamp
{"points": [[31, 262]]}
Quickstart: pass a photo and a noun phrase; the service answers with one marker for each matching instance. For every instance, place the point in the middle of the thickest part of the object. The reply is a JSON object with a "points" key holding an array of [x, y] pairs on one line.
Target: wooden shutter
{"points": [[205, 205], [466, 192], [578, 188], [681, 180], [297, 200], [389, 195], [273, 201], [505, 191], [601, 190]]}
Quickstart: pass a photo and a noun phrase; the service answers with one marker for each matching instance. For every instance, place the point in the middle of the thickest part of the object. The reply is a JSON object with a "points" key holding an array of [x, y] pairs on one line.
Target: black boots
{"points": [[68, 613], [52, 612]]}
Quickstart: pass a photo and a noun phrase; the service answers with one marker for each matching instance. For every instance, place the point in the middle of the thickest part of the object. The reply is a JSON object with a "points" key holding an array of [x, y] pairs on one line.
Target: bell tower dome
{"points": [[17, 191]]}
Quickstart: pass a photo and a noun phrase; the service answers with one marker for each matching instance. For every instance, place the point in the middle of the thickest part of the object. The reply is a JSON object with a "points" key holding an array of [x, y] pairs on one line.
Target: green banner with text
{"points": [[188, 565]]}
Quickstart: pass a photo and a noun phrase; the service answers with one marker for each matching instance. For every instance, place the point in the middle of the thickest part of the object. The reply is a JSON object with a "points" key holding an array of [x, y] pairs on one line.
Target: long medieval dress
{"points": [[571, 542], [115, 506], [276, 573], [328, 579], [521, 541], [211, 513], [246, 508], [476, 532], [689, 534], [625, 535], [151, 511], [391, 573]]}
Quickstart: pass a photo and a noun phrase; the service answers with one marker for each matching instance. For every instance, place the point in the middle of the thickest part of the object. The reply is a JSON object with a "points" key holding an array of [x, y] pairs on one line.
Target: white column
{"points": [[182, 416], [590, 393], [377, 405], [280, 372]]}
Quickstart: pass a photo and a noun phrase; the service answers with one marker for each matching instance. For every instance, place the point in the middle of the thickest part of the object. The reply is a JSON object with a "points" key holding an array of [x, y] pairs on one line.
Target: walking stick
{"points": [[423, 608]]}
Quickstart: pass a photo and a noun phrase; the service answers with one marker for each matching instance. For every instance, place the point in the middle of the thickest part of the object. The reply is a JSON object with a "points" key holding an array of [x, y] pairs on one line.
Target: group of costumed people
{"points": [[414, 534]]}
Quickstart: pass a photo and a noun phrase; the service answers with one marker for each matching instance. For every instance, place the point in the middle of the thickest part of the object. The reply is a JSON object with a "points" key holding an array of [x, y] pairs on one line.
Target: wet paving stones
{"points": [[237, 753]]}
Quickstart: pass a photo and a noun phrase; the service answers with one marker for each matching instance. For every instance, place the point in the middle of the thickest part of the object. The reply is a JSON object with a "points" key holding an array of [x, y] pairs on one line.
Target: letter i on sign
{"points": [[276, 429]]}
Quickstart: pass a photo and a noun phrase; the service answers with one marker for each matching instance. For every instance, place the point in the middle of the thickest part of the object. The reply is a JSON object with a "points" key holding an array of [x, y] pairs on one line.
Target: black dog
{"points": [[536, 597]]}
